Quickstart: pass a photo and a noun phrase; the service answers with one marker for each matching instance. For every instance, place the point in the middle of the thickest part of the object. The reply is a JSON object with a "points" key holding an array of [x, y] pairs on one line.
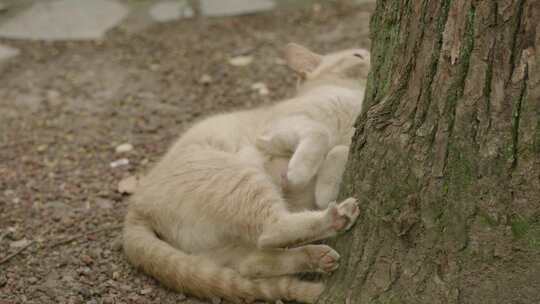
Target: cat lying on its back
{"points": [[214, 216]]}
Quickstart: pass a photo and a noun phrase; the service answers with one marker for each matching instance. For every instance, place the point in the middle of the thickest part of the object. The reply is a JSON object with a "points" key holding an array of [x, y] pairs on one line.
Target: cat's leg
{"points": [[284, 228], [330, 175], [277, 262], [260, 263], [308, 141]]}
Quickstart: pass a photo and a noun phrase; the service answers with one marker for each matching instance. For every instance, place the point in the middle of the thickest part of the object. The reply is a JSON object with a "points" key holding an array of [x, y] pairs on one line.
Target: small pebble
{"points": [[261, 88], [119, 162], [123, 148], [280, 61], [53, 97], [104, 204], [205, 79], [108, 300], [87, 259], [241, 60], [33, 280], [41, 148], [117, 244]]}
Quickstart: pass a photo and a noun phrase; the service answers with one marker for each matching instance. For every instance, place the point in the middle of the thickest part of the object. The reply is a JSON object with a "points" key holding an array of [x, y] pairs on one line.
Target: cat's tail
{"points": [[200, 276]]}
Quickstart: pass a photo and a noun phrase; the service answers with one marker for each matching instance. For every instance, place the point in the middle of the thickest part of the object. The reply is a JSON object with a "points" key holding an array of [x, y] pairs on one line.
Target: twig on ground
{"points": [[71, 239], [61, 242], [6, 259]]}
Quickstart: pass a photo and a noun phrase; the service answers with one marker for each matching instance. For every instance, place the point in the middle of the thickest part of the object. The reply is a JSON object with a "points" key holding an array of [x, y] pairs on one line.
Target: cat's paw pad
{"points": [[323, 258], [344, 215]]}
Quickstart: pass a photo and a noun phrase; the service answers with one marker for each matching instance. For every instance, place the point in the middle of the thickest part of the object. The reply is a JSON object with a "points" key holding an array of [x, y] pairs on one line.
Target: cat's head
{"points": [[310, 65]]}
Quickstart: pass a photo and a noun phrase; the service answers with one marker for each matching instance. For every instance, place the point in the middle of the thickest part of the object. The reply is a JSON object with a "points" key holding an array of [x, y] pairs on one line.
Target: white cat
{"points": [[214, 217]]}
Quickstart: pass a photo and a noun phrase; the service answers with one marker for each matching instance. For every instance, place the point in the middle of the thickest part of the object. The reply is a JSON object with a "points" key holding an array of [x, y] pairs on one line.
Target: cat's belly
{"points": [[198, 237]]}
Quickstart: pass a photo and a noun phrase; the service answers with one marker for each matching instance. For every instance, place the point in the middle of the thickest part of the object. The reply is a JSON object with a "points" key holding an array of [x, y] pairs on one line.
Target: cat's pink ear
{"points": [[301, 60]]}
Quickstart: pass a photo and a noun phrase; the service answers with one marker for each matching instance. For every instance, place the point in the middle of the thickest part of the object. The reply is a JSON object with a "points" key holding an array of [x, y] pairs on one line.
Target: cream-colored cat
{"points": [[215, 216]]}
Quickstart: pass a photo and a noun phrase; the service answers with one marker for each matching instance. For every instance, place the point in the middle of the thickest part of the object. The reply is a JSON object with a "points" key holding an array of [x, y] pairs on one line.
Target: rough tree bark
{"points": [[446, 158]]}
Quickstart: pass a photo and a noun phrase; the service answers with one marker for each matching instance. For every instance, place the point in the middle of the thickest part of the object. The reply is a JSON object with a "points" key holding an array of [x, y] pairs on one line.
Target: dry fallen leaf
{"points": [[128, 185]]}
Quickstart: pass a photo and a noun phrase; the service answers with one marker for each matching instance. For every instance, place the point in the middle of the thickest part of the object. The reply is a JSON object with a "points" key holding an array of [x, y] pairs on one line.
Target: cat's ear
{"points": [[301, 60]]}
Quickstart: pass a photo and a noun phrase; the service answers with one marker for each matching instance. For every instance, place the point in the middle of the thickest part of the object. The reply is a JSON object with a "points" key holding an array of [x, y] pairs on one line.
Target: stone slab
{"points": [[65, 20]]}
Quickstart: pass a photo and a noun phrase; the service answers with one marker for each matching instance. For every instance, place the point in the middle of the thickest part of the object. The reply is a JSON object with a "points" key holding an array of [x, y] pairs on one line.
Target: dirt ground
{"points": [[65, 106]]}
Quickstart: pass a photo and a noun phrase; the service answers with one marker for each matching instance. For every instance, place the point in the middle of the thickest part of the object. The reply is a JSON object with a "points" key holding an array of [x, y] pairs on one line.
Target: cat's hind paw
{"points": [[323, 258]]}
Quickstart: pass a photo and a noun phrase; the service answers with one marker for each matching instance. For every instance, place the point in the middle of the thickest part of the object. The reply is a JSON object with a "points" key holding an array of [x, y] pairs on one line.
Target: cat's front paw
{"points": [[343, 215], [330, 175], [299, 176]]}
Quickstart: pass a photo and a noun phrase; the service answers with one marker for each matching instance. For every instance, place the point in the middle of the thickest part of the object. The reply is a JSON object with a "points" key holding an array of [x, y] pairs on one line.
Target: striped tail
{"points": [[201, 277]]}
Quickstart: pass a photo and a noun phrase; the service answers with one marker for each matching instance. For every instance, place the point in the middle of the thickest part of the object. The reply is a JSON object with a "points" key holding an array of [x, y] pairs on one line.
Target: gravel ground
{"points": [[65, 106]]}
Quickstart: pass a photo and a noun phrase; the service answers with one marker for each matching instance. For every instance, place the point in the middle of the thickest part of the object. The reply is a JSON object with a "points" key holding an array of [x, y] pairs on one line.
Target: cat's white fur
{"points": [[215, 216]]}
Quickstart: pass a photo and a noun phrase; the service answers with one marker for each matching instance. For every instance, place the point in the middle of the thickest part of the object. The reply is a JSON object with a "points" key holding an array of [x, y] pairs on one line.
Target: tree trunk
{"points": [[446, 158]]}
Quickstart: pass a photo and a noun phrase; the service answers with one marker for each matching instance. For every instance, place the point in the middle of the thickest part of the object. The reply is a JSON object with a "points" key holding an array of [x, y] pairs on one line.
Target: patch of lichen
{"points": [[526, 229], [395, 182], [384, 30], [388, 298], [487, 220], [460, 172]]}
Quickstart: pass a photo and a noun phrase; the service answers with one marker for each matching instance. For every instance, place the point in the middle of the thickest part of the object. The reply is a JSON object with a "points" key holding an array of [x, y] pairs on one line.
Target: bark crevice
{"points": [[516, 118], [457, 88]]}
